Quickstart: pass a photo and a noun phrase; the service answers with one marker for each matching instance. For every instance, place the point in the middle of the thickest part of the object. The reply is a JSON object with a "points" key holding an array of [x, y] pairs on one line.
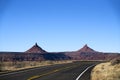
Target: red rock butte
{"points": [[35, 49], [85, 48]]}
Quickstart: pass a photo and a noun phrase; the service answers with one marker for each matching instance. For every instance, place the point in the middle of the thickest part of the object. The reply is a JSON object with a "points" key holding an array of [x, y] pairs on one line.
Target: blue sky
{"points": [[60, 25]]}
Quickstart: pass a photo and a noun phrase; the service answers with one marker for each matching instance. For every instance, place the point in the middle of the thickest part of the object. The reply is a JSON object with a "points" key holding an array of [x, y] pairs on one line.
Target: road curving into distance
{"points": [[79, 70]]}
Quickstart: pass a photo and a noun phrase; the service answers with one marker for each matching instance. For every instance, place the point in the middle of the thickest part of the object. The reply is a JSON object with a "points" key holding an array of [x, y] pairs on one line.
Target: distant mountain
{"points": [[36, 53], [85, 48], [21, 56], [35, 49], [87, 53]]}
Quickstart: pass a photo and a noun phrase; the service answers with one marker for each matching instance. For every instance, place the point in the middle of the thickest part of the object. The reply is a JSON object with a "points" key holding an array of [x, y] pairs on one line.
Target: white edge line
{"points": [[83, 72]]}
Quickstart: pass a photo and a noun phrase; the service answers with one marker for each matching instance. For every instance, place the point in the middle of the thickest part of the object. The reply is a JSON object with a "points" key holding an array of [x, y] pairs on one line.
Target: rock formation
{"points": [[35, 49], [85, 48]]}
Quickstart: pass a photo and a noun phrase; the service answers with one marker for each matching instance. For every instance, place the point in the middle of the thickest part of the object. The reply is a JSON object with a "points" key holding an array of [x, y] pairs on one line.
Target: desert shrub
{"points": [[115, 61], [0, 66], [20, 65]]}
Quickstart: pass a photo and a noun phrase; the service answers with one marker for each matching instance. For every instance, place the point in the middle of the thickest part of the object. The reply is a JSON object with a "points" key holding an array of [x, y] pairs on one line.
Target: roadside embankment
{"points": [[107, 71], [13, 66]]}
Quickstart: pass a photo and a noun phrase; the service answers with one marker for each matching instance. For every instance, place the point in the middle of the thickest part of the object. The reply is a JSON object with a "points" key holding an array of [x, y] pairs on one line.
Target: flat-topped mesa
{"points": [[35, 49], [86, 49]]}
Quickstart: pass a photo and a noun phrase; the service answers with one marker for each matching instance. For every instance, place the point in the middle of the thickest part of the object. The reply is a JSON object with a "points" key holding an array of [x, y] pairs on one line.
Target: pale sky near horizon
{"points": [[60, 25]]}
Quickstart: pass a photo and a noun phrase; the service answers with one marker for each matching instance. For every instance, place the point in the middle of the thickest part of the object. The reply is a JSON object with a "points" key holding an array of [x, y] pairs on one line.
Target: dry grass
{"points": [[12, 66], [106, 71]]}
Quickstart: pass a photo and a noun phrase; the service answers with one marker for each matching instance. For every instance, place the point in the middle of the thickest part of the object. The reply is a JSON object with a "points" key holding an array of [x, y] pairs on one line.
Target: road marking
{"points": [[54, 71], [84, 72]]}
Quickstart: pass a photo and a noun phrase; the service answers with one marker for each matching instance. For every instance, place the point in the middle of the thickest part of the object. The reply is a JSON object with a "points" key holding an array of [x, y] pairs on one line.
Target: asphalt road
{"points": [[70, 71]]}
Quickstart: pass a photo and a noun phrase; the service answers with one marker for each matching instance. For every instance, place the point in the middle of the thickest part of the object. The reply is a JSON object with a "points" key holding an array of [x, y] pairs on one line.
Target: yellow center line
{"points": [[54, 71]]}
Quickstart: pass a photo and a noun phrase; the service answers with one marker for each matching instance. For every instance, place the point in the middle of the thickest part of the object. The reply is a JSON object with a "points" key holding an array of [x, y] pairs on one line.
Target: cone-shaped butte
{"points": [[35, 49], [85, 48]]}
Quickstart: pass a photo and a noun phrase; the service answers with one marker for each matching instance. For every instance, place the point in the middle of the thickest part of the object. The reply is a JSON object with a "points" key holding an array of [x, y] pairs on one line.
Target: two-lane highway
{"points": [[79, 70]]}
